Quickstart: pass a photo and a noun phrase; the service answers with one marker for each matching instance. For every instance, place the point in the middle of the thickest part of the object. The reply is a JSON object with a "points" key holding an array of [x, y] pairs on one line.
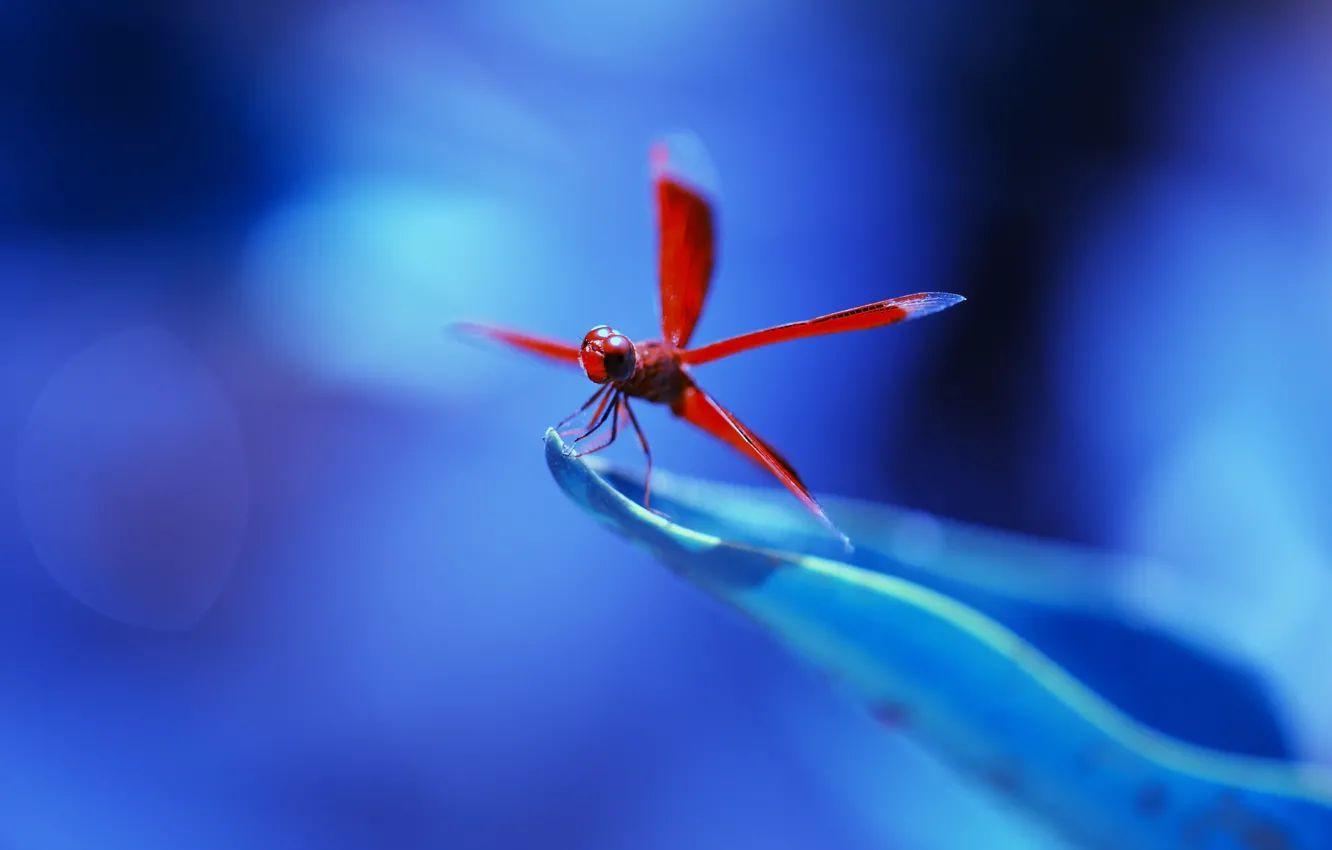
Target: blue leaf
{"points": [[932, 623]]}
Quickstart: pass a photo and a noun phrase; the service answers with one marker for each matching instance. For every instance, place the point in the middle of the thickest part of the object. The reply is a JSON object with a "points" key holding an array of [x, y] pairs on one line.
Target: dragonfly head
{"points": [[607, 355]]}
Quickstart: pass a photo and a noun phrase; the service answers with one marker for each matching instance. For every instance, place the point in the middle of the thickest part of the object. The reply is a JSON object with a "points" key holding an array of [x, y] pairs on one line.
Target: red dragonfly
{"points": [[659, 370]]}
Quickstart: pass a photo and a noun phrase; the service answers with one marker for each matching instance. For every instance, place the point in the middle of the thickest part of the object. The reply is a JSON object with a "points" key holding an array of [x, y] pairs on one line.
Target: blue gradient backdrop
{"points": [[281, 565]]}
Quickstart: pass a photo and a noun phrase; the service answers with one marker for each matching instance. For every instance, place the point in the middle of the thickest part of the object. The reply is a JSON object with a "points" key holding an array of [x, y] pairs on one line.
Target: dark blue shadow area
{"points": [[120, 120]]}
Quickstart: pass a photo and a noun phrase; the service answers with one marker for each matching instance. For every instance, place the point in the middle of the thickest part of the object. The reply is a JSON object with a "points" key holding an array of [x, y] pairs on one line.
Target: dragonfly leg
{"points": [[647, 451], [565, 421], [599, 417], [614, 413]]}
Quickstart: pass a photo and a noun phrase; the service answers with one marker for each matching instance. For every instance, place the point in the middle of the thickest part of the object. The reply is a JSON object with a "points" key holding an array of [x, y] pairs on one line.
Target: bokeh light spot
{"points": [[132, 481], [358, 280]]}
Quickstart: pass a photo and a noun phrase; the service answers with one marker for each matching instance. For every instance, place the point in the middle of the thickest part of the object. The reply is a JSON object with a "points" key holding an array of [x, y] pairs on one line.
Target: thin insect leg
{"points": [[596, 395], [599, 418], [647, 477], [565, 421], [612, 413], [615, 429]]}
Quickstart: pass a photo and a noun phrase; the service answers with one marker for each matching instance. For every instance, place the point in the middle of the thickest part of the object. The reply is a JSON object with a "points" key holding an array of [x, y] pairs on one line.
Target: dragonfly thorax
{"points": [[607, 356]]}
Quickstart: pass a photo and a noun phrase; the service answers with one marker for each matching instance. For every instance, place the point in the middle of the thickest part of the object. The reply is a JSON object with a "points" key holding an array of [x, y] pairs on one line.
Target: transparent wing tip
{"points": [[925, 303], [681, 156]]}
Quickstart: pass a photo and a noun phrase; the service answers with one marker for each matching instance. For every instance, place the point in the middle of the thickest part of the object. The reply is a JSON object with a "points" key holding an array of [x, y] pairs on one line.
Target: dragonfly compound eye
{"points": [[607, 355]]}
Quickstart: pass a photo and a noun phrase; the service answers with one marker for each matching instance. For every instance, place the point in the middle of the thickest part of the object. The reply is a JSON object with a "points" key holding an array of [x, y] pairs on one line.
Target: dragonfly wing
{"points": [[685, 187], [702, 411], [551, 349], [874, 315], [696, 408]]}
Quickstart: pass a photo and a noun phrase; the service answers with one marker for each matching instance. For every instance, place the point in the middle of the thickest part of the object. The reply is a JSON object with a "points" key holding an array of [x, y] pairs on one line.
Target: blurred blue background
{"points": [[282, 564]]}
